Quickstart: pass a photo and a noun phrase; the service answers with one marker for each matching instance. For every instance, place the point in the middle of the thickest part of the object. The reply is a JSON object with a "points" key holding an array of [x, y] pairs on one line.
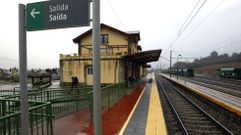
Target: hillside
{"points": [[212, 69], [211, 64]]}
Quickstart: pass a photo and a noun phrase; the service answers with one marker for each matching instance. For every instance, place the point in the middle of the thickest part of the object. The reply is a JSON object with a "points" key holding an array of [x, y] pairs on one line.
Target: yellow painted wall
{"points": [[114, 38], [142, 71], [112, 71], [71, 68]]}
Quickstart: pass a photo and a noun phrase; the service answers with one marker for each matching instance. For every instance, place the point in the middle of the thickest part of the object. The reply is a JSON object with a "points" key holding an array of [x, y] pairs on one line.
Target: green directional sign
{"points": [[35, 16], [57, 14]]}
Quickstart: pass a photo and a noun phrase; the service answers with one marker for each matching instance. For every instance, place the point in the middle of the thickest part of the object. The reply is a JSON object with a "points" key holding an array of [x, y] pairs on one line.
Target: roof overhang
{"points": [[135, 35], [144, 57], [147, 66]]}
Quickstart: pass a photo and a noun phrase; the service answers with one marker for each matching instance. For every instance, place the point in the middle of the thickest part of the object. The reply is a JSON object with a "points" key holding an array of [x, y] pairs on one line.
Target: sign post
{"points": [[23, 70], [40, 16]]}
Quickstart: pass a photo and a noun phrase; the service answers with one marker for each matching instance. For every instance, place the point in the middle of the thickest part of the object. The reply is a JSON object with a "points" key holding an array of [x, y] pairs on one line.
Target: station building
{"points": [[121, 57]]}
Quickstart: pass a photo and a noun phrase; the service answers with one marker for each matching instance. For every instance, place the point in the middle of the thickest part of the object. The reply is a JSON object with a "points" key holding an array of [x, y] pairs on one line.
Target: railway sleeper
{"points": [[194, 118], [202, 132], [193, 114], [196, 124], [185, 107], [171, 118], [204, 128], [190, 114], [200, 126], [176, 128], [198, 121]]}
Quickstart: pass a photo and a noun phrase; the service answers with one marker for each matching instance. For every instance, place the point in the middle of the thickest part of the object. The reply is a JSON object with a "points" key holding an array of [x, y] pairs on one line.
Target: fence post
{"points": [[108, 90], [75, 95], [18, 125], [51, 119], [118, 91], [3, 114], [90, 106]]}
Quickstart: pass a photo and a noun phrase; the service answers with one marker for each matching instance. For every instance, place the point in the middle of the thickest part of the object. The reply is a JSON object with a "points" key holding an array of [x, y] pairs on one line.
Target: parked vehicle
{"points": [[181, 72], [234, 73]]}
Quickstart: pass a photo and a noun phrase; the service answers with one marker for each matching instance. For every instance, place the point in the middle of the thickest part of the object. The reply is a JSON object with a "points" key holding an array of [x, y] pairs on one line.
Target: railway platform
{"points": [[229, 102], [138, 113], [147, 116]]}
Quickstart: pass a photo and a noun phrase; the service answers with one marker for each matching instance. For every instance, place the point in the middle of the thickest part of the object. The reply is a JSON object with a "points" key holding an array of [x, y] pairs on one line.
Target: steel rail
{"points": [[174, 110], [232, 81], [223, 128], [223, 84], [217, 88]]}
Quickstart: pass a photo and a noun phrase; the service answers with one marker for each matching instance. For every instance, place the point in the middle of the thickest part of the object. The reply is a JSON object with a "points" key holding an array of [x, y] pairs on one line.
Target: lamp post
{"points": [[177, 64], [170, 63], [186, 71], [160, 66]]}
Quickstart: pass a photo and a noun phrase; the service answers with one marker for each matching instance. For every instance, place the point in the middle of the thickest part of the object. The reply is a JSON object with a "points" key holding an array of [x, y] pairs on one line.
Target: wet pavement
{"points": [[72, 124], [114, 118]]}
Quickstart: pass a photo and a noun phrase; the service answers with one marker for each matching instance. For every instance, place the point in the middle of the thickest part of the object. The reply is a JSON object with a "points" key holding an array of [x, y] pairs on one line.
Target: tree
{"points": [[235, 55], [214, 54]]}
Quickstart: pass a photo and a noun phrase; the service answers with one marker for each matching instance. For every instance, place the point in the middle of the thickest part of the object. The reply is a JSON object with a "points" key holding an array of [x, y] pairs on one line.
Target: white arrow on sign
{"points": [[33, 13]]}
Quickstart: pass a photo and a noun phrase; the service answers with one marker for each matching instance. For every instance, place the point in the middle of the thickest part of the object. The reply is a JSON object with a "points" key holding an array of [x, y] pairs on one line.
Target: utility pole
{"points": [[186, 71], [170, 63], [177, 65], [160, 66]]}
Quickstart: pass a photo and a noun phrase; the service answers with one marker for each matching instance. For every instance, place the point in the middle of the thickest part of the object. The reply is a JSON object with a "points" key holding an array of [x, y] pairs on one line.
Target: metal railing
{"points": [[45, 105], [40, 118], [110, 95], [63, 100]]}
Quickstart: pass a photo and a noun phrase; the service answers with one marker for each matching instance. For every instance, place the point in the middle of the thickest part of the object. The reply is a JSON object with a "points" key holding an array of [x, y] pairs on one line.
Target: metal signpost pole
{"points": [[96, 67], [23, 70]]}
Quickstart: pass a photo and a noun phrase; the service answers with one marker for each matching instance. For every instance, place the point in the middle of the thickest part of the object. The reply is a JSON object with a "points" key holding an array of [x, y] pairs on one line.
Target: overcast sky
{"points": [[216, 27]]}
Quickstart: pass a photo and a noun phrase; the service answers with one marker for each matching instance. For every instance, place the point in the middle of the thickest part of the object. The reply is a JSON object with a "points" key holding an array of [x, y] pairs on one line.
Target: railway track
{"points": [[186, 117], [220, 82], [225, 80], [227, 88]]}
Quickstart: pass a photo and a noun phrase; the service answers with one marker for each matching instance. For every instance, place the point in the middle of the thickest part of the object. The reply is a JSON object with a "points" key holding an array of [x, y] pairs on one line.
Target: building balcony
{"points": [[88, 56]]}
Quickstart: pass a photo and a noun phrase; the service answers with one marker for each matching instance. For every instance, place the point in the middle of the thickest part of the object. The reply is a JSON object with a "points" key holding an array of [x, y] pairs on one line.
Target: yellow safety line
{"points": [[155, 121], [130, 115]]}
